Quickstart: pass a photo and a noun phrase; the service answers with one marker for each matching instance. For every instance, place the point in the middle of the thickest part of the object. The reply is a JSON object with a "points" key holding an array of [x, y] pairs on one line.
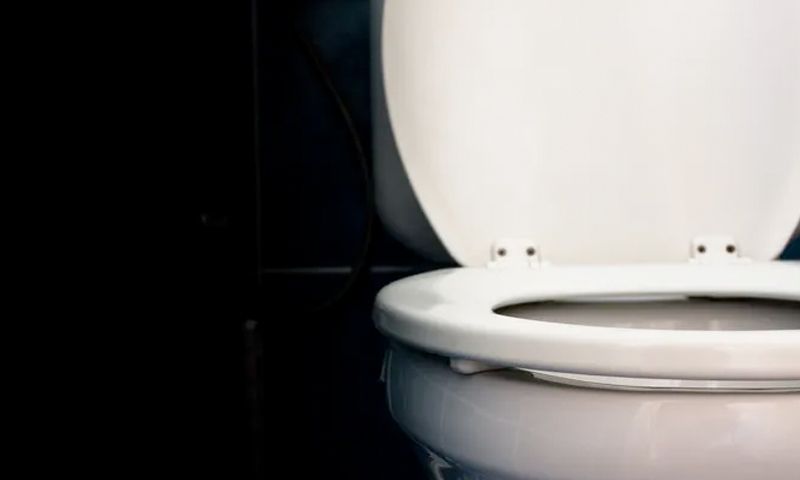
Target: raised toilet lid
{"points": [[606, 132]]}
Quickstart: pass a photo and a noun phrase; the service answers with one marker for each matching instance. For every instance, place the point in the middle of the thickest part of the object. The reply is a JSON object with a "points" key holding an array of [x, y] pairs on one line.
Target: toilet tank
{"points": [[536, 118]]}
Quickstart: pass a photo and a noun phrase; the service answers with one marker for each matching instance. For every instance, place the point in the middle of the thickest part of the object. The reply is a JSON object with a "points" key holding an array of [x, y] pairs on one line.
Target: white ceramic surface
{"points": [[509, 426]]}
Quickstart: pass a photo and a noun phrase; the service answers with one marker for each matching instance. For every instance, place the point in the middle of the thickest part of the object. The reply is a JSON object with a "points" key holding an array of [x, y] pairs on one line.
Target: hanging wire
{"points": [[361, 261]]}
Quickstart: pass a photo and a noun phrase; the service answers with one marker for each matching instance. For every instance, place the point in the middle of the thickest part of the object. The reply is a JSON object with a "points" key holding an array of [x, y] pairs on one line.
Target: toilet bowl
{"points": [[616, 180], [670, 383]]}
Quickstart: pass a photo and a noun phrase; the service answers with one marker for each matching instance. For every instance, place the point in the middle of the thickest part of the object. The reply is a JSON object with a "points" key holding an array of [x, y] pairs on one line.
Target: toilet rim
{"points": [[452, 313]]}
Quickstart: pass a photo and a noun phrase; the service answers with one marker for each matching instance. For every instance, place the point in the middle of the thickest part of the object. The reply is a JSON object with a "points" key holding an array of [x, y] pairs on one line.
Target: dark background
{"points": [[285, 363], [283, 367]]}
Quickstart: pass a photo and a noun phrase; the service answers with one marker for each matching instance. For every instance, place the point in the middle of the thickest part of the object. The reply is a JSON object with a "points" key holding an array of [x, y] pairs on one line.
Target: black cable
{"points": [[362, 260]]}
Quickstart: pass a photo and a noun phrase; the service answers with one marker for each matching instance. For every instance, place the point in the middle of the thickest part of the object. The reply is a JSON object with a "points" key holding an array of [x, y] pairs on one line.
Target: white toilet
{"points": [[617, 179]]}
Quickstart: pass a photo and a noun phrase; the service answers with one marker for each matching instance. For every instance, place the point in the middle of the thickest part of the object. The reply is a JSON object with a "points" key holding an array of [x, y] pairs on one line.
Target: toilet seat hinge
{"points": [[515, 252], [716, 249]]}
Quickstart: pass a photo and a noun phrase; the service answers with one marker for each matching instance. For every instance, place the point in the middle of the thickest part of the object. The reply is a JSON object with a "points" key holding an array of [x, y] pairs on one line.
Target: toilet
{"points": [[616, 180]]}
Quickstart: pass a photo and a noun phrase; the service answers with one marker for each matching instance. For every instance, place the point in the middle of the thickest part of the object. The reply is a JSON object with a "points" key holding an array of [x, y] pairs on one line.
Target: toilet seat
{"points": [[452, 313]]}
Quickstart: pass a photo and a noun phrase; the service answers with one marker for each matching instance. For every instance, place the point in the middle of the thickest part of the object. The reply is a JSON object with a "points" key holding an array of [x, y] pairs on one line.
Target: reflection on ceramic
{"points": [[507, 425]]}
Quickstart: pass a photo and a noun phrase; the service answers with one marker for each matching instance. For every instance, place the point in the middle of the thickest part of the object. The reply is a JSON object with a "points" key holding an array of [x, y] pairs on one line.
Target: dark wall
{"points": [[792, 251], [315, 177], [279, 357], [322, 398]]}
